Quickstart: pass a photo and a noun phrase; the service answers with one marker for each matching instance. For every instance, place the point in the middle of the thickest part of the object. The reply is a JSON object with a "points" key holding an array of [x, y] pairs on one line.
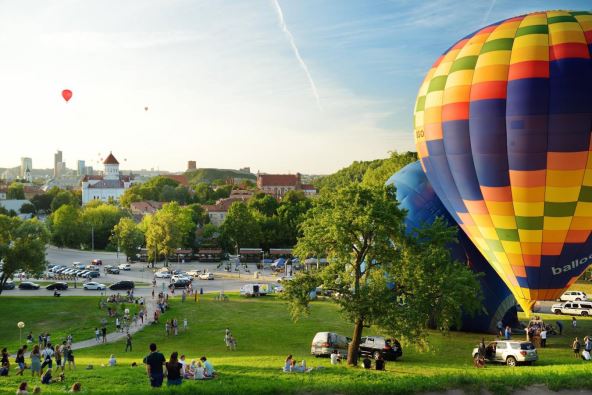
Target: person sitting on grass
{"points": [[174, 367], [37, 389], [112, 360], [208, 367], [22, 389], [380, 363], [199, 372], [46, 378], [288, 363], [367, 363], [76, 387]]}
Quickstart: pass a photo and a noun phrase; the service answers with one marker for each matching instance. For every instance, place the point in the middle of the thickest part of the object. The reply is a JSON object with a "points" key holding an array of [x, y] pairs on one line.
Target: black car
{"points": [[93, 274], [8, 285], [181, 283], [113, 270], [57, 286], [376, 346], [122, 285], [28, 285]]}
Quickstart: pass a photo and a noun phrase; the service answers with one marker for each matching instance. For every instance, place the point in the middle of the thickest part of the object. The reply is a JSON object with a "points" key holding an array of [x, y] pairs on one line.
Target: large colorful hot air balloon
{"points": [[416, 195], [67, 94], [502, 127]]}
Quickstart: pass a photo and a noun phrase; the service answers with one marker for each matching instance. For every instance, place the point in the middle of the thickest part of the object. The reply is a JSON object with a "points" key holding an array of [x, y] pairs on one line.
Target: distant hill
{"points": [[209, 175]]}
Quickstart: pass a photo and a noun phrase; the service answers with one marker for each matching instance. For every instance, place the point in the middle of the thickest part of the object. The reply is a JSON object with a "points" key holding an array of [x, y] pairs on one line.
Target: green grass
{"points": [[76, 315], [266, 335]]}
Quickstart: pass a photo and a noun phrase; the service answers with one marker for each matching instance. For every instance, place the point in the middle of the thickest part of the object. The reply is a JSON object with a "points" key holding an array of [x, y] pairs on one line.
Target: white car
{"points": [[194, 273], [573, 308], [125, 266], [510, 352], [284, 279], [162, 275], [92, 285], [206, 276], [573, 296]]}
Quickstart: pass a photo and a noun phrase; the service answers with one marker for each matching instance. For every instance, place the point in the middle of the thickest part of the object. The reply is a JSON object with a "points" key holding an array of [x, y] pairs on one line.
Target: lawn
{"points": [[76, 315], [266, 335]]}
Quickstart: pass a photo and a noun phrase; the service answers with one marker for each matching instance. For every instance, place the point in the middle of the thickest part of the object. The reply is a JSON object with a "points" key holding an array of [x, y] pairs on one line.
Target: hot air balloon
{"points": [[145, 108], [502, 127], [416, 195], [67, 94]]}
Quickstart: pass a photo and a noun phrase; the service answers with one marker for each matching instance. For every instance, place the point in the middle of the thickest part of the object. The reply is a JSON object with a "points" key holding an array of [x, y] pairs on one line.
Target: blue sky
{"points": [[309, 86]]}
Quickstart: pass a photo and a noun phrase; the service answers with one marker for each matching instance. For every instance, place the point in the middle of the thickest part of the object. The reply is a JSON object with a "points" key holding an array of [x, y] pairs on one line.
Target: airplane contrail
{"points": [[303, 65], [486, 17]]}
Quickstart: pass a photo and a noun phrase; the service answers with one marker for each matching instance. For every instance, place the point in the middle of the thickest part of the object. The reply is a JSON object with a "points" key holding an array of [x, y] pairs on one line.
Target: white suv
{"points": [[510, 352], [572, 296], [573, 308]]}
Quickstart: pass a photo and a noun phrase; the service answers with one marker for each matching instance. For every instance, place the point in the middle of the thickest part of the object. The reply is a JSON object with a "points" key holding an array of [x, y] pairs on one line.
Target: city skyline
{"points": [[280, 86]]}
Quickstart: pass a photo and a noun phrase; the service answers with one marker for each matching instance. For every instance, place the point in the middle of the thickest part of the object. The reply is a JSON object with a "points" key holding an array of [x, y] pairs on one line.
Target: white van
{"points": [[573, 296], [324, 343], [254, 290]]}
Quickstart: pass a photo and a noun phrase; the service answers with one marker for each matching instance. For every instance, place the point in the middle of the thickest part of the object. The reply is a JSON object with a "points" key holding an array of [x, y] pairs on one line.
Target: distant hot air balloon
{"points": [[502, 127], [145, 108], [67, 94]]}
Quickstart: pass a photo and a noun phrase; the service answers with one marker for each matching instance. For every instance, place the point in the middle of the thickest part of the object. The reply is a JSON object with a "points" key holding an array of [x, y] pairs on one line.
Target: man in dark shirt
{"points": [[154, 362]]}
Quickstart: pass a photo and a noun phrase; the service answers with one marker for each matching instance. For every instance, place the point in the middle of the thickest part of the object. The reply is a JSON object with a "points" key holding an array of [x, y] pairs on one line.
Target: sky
{"points": [[281, 86]]}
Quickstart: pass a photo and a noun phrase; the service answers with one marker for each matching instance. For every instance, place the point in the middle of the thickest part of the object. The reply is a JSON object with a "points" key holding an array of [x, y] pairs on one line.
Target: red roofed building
{"points": [[108, 186], [217, 212], [140, 209], [277, 185]]}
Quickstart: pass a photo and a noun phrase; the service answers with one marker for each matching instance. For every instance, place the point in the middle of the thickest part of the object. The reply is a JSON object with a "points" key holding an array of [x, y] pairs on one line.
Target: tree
{"points": [[27, 208], [22, 247], [131, 195], [240, 226], [42, 202], [128, 236], [16, 191], [292, 211], [101, 218], [372, 264], [263, 203], [380, 174], [66, 226], [168, 229], [63, 198]]}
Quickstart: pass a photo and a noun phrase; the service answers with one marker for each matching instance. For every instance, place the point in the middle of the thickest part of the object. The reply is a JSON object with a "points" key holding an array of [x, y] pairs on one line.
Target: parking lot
{"points": [[142, 274]]}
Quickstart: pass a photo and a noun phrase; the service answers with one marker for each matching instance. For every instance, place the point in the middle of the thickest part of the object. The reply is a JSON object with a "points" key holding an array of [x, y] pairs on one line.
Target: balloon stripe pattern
{"points": [[502, 127]]}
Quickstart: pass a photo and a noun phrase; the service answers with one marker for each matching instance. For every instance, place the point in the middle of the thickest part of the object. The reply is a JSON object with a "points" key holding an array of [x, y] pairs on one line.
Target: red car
{"points": [[97, 262]]}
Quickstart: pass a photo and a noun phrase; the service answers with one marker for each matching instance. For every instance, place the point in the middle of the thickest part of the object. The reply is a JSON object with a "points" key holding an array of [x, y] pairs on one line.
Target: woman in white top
{"points": [[199, 373]]}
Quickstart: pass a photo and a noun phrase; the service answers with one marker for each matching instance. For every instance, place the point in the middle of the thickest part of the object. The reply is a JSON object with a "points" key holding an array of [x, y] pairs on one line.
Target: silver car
{"points": [[510, 352]]}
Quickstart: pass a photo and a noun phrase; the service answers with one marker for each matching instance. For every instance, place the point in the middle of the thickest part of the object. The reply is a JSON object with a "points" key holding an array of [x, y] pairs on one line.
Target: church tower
{"points": [[111, 171]]}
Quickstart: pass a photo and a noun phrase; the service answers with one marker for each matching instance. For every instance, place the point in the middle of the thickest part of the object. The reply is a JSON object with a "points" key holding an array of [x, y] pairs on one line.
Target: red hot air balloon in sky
{"points": [[67, 94]]}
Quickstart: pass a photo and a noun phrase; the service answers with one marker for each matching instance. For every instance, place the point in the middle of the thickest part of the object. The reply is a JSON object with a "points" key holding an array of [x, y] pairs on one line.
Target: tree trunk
{"points": [[352, 352]]}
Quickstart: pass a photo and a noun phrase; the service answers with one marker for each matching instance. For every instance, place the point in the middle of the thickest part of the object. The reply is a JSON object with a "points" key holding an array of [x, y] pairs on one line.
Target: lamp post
{"points": [[20, 325]]}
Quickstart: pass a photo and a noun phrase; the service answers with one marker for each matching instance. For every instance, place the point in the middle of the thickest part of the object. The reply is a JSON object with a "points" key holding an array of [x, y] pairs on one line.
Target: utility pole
{"points": [[92, 233]]}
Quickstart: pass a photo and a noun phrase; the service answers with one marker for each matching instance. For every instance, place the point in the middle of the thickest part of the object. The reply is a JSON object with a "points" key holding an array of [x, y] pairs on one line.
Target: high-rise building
{"points": [[81, 168], [60, 169], [88, 170], [191, 165], [26, 163], [57, 159]]}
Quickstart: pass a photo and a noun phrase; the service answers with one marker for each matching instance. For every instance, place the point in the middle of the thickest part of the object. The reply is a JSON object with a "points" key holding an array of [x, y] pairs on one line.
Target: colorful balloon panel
{"points": [[502, 127], [416, 195]]}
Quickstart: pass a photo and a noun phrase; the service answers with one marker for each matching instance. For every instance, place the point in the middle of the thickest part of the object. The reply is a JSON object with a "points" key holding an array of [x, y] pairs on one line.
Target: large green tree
{"points": [[22, 247], [360, 229], [101, 218], [67, 228], [16, 190], [264, 204], [62, 198], [127, 236], [240, 226]]}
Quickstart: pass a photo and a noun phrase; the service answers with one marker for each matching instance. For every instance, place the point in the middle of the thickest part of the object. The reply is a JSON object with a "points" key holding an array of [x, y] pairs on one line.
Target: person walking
{"points": [[20, 361], [185, 324], [128, 342], [167, 328], [118, 324], [560, 326], [47, 356], [544, 337], [141, 315], [574, 322], [154, 363], [576, 347], [97, 335], [175, 327], [104, 332], [35, 361]]}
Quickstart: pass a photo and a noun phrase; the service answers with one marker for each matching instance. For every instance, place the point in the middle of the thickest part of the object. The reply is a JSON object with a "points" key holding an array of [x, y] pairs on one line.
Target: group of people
{"points": [[23, 388], [171, 327], [229, 340], [585, 347], [176, 368]]}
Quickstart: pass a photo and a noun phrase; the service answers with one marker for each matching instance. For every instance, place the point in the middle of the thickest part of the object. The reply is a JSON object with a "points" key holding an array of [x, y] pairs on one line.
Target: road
{"points": [[141, 273]]}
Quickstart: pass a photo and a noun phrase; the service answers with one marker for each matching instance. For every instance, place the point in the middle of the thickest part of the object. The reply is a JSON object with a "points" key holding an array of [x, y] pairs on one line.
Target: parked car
{"points": [[177, 277], [572, 296], [181, 283], [510, 352], [92, 285], [573, 308], [28, 285], [122, 285], [113, 270], [92, 267], [78, 265], [125, 266], [284, 279], [324, 343], [60, 286], [194, 273], [206, 276], [93, 274], [97, 262], [8, 285], [376, 346], [162, 275]]}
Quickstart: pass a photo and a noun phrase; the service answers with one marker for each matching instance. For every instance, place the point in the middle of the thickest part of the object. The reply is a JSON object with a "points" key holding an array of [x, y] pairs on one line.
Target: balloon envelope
{"points": [[416, 195], [67, 94], [502, 126]]}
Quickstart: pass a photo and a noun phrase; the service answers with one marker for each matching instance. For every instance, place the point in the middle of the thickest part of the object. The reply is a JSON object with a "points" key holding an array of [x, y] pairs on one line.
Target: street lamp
{"points": [[20, 325]]}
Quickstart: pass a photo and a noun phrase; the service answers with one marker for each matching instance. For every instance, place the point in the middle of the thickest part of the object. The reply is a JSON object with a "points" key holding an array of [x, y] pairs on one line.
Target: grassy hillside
{"points": [[266, 335], [209, 175]]}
